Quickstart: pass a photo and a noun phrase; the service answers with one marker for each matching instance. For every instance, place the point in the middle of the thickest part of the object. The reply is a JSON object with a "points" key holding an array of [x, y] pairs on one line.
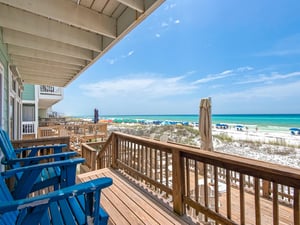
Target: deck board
{"points": [[128, 204]]}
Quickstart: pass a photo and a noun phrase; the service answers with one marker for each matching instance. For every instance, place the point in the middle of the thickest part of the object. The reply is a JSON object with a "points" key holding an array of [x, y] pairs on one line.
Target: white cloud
{"points": [[278, 91], [177, 21], [130, 53], [164, 24], [223, 75], [281, 98], [170, 6], [139, 87], [272, 77], [111, 61], [212, 77], [157, 35]]}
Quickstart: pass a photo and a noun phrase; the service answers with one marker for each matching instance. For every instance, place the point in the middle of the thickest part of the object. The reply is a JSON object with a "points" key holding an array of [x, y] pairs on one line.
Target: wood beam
{"points": [[34, 61], [137, 5], [43, 44], [33, 53], [57, 83], [40, 67], [47, 74], [19, 20], [70, 13]]}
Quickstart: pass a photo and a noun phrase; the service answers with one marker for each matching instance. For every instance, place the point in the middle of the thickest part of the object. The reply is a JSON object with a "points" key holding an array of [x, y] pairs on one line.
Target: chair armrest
{"points": [[75, 190], [37, 159], [64, 176], [40, 167], [35, 149]]}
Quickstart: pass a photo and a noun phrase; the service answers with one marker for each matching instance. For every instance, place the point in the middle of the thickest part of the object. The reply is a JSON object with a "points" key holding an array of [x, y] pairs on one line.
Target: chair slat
{"points": [[77, 210], [55, 214], [66, 212]]}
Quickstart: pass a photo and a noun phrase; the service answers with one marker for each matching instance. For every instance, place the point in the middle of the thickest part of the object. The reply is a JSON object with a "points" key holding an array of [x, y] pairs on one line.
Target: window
{"points": [[28, 113]]}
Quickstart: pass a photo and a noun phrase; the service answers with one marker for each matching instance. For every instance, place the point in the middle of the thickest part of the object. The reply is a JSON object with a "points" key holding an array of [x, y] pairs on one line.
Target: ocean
{"points": [[265, 122]]}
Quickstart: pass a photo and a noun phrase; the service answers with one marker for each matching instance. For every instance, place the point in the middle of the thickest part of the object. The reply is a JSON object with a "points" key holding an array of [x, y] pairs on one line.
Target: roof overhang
{"points": [[51, 42]]}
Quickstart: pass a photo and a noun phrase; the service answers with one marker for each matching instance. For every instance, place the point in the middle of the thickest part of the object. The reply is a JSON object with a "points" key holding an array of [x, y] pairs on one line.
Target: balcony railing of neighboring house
{"points": [[28, 127], [207, 186], [50, 90], [79, 133]]}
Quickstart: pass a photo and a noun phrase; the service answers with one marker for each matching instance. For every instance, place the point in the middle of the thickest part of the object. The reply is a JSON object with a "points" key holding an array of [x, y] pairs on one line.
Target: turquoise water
{"points": [[274, 122]]}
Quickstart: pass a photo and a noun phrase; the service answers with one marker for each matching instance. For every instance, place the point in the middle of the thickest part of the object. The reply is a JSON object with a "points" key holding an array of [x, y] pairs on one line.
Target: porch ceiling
{"points": [[51, 42]]}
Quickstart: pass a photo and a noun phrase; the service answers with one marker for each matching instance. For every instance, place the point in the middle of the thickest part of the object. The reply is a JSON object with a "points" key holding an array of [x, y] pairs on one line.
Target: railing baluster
{"points": [[257, 201], [296, 206], [242, 199], [228, 194], [160, 167], [196, 186], [205, 188], [155, 166], [275, 204], [187, 175], [151, 160], [216, 189]]}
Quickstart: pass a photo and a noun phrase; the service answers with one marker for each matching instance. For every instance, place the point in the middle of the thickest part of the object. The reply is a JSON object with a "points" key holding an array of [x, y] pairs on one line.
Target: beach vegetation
{"points": [[224, 137]]}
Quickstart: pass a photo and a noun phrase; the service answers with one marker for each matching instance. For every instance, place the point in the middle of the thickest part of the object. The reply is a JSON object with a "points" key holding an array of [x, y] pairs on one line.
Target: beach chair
{"points": [[76, 204], [51, 176]]}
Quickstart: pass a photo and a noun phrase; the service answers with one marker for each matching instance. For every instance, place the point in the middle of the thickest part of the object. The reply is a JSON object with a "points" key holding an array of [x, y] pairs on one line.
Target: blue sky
{"points": [[245, 55]]}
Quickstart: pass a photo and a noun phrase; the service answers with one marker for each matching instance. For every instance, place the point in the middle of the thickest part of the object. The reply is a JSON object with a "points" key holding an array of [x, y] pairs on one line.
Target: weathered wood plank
{"points": [[128, 204]]}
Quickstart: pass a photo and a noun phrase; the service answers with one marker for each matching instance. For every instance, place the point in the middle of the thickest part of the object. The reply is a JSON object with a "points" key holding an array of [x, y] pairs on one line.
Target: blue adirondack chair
{"points": [[11, 154], [76, 204], [49, 176]]}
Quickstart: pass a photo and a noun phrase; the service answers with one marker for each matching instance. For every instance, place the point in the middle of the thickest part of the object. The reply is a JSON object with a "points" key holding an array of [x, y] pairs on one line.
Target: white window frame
{"points": [[1, 94], [17, 119]]}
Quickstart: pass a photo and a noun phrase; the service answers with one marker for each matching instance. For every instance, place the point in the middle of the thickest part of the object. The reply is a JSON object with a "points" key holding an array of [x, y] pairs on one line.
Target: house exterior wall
{"points": [[10, 89], [3, 89], [29, 92], [4, 85]]}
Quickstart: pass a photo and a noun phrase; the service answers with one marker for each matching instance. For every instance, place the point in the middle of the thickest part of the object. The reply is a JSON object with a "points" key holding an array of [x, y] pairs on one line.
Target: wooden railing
{"points": [[42, 142], [84, 131], [208, 186], [79, 133], [90, 151]]}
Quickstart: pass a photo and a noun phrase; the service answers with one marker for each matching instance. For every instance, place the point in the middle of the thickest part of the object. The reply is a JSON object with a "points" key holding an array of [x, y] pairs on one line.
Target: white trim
{"points": [[1, 94], [15, 128]]}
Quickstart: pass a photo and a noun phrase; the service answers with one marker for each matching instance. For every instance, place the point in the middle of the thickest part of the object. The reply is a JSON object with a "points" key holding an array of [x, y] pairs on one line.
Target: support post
{"points": [[114, 156], [178, 183]]}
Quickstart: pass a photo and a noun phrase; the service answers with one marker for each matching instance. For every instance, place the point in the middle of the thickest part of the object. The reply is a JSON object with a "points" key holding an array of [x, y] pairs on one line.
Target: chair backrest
{"points": [[5, 195], [6, 146]]}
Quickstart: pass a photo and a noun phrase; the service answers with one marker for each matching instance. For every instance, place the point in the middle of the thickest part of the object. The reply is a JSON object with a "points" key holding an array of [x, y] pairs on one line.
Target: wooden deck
{"points": [[126, 203]]}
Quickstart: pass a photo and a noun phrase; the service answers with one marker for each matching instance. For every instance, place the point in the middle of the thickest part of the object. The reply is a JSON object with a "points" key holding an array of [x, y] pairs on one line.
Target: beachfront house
{"points": [[49, 43], [37, 102], [44, 45]]}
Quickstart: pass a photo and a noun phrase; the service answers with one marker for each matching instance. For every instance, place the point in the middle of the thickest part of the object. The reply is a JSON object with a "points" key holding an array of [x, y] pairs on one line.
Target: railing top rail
{"points": [[274, 172]]}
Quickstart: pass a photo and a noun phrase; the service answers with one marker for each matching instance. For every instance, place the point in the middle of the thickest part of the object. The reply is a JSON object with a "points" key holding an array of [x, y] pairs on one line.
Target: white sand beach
{"points": [[276, 147]]}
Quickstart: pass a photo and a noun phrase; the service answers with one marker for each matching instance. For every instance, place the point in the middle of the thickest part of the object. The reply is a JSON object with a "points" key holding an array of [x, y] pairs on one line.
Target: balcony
{"points": [[207, 187], [49, 95], [166, 183]]}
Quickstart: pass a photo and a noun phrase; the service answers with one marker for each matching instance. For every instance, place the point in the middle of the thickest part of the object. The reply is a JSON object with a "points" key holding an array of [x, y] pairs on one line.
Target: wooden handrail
{"points": [[174, 172], [42, 141]]}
